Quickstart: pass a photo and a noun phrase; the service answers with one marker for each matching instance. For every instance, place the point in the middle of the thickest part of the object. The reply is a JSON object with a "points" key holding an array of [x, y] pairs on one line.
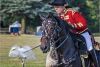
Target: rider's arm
{"points": [[80, 21]]}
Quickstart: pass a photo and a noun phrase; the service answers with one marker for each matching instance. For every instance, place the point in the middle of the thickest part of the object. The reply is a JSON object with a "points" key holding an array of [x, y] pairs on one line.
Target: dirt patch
{"points": [[97, 39]]}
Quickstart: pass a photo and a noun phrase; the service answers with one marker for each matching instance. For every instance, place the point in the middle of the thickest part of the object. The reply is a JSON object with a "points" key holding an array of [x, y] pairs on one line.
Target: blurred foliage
{"points": [[27, 10], [12, 10]]}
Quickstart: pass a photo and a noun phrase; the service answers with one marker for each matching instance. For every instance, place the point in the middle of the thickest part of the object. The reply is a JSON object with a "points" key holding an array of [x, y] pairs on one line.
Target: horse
{"points": [[62, 52], [57, 40]]}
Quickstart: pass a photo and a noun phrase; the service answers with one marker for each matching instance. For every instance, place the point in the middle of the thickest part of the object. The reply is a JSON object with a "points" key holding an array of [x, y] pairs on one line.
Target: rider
{"points": [[77, 21]]}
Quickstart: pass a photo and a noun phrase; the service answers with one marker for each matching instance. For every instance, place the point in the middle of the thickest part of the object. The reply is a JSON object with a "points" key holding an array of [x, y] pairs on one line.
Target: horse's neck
{"points": [[64, 33], [68, 43], [62, 25]]}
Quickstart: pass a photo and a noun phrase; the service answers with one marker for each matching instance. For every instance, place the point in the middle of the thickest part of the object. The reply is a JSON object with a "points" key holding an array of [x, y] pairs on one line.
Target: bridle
{"points": [[51, 34], [56, 31]]}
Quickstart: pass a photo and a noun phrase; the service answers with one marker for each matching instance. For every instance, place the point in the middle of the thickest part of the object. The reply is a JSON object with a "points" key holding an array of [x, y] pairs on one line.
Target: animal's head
{"points": [[14, 51], [49, 31], [22, 52]]}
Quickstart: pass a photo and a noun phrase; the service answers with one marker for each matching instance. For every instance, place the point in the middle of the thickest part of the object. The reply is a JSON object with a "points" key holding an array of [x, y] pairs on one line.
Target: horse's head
{"points": [[49, 31]]}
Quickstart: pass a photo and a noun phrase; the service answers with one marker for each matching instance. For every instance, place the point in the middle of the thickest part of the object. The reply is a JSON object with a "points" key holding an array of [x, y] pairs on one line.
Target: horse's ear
{"points": [[41, 17]]}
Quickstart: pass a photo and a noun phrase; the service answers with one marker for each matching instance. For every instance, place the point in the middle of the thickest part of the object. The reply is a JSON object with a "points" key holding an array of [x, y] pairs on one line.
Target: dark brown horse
{"points": [[56, 40], [62, 52]]}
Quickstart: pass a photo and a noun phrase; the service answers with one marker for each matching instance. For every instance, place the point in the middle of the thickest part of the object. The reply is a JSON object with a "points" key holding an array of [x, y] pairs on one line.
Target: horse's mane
{"points": [[62, 24]]}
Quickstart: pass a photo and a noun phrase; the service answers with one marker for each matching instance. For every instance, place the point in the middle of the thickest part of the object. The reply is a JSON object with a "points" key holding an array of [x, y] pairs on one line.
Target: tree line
{"points": [[26, 12]]}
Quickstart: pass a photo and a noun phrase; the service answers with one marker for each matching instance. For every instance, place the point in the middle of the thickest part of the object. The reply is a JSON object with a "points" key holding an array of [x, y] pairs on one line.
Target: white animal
{"points": [[23, 52]]}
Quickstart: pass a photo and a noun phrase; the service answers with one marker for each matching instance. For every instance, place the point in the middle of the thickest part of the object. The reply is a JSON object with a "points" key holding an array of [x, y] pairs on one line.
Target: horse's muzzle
{"points": [[45, 48]]}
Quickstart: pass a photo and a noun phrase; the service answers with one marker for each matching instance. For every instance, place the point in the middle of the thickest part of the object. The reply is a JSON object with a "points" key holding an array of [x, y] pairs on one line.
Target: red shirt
{"points": [[75, 19]]}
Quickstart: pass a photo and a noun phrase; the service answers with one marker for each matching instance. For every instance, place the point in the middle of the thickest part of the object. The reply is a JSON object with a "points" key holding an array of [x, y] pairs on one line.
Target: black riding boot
{"points": [[94, 57]]}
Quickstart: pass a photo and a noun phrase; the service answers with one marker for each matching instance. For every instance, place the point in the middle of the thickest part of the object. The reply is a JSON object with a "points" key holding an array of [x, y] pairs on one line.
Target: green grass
{"points": [[7, 41]]}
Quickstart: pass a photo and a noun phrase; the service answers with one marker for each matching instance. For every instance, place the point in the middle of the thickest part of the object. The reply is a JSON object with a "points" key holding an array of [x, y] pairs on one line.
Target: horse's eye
{"points": [[51, 27]]}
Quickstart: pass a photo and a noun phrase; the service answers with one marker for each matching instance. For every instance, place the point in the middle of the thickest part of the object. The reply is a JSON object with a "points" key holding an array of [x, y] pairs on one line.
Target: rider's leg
{"points": [[90, 48], [92, 37]]}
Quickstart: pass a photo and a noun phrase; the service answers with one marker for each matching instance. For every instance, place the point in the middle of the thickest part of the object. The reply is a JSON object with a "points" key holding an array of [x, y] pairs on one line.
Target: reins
{"points": [[60, 43]]}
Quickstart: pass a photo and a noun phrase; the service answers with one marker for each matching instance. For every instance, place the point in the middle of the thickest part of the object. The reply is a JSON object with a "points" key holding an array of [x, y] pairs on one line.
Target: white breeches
{"points": [[88, 40]]}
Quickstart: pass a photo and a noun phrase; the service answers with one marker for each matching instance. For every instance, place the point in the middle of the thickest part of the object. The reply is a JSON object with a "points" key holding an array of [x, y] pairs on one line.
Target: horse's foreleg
{"points": [[50, 62]]}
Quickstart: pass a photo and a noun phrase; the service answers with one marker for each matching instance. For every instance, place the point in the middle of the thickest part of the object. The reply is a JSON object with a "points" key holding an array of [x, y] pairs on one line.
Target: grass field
{"points": [[7, 41]]}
